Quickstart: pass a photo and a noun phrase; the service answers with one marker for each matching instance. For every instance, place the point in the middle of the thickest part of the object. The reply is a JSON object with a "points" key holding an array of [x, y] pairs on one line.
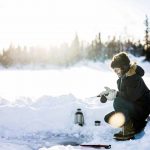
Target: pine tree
{"points": [[147, 42]]}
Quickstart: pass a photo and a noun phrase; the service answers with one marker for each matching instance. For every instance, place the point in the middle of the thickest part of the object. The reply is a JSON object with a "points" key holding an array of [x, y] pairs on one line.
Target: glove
{"points": [[112, 93], [103, 93]]}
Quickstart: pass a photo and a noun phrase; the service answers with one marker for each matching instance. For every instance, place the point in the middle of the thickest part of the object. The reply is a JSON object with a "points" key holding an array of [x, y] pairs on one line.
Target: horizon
{"points": [[47, 23]]}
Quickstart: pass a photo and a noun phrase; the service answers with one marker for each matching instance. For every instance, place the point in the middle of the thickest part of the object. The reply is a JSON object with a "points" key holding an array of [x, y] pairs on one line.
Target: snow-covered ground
{"points": [[37, 108]]}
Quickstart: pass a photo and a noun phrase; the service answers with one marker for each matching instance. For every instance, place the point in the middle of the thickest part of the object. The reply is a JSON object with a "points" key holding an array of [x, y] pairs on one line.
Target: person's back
{"points": [[133, 90], [131, 86], [132, 98]]}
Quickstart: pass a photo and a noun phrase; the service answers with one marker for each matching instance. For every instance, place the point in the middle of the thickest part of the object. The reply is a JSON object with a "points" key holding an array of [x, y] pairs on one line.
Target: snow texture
{"points": [[47, 122]]}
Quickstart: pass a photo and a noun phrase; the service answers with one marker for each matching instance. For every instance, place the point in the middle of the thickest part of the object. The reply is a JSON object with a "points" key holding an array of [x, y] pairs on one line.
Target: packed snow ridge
{"points": [[47, 122]]}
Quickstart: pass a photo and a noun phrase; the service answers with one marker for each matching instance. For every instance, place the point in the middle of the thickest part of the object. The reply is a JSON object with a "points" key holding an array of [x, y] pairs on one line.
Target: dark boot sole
{"points": [[124, 138]]}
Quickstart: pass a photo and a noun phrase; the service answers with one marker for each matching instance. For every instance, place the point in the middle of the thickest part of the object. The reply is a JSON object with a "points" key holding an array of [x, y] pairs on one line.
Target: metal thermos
{"points": [[79, 118]]}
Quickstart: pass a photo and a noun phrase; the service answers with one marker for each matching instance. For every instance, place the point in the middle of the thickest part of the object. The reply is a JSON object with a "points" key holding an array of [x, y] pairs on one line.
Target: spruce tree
{"points": [[147, 42]]}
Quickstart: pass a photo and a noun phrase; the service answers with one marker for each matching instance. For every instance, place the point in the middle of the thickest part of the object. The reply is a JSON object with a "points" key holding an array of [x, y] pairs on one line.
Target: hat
{"points": [[120, 60]]}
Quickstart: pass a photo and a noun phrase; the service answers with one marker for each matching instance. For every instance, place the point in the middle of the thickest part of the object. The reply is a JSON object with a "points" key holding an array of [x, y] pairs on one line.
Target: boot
{"points": [[127, 132], [120, 133], [140, 126]]}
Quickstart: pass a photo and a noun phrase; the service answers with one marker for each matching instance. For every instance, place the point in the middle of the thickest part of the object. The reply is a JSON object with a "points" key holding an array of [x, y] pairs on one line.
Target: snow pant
{"points": [[131, 111]]}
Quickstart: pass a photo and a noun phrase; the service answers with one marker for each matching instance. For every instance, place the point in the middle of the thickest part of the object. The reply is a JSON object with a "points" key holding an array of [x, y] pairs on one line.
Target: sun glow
{"points": [[117, 120], [45, 22]]}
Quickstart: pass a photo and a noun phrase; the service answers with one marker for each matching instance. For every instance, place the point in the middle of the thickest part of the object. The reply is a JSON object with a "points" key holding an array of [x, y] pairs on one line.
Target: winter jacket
{"points": [[133, 88]]}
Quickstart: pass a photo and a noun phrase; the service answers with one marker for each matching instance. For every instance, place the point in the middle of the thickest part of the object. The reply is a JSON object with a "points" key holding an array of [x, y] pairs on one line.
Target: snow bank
{"points": [[47, 123], [52, 117], [55, 114]]}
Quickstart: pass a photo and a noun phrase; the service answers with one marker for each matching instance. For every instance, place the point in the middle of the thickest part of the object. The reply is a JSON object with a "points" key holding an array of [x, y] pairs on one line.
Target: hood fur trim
{"points": [[132, 70]]}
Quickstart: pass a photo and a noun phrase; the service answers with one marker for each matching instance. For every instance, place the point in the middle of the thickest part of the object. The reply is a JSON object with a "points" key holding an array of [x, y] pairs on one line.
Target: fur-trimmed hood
{"points": [[135, 69]]}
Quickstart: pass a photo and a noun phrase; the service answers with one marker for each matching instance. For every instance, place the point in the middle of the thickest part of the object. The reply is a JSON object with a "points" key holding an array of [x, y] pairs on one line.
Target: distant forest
{"points": [[67, 55]]}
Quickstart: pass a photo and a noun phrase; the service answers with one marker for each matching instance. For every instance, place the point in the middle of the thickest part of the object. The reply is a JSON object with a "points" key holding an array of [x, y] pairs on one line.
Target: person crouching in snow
{"points": [[132, 98]]}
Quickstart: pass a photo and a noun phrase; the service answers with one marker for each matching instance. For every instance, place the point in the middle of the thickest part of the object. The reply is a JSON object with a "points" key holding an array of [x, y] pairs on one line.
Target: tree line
{"points": [[67, 55]]}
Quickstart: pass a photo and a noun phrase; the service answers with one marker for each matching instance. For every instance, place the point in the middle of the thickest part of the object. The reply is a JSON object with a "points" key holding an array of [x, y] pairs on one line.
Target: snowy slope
{"points": [[50, 121], [47, 123]]}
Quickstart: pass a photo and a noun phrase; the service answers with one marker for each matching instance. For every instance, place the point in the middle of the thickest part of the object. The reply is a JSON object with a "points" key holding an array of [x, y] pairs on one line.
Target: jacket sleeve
{"points": [[133, 90], [140, 71]]}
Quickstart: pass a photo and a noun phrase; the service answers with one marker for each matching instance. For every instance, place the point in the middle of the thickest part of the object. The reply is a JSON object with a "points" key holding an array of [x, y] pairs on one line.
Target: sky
{"points": [[53, 22]]}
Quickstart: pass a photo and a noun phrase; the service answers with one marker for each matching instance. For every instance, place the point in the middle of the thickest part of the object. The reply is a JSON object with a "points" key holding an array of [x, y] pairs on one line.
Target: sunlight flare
{"points": [[117, 120], [49, 22]]}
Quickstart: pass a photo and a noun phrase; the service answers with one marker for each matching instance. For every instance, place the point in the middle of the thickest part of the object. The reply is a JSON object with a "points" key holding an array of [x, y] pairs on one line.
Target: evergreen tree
{"points": [[147, 42]]}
